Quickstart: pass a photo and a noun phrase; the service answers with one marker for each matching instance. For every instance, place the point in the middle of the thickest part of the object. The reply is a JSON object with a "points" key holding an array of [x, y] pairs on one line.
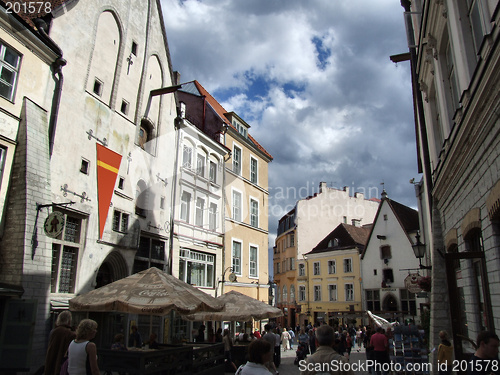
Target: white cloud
{"points": [[314, 81]]}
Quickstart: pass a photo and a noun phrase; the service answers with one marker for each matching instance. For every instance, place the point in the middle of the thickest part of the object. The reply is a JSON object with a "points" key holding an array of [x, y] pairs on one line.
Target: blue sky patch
{"points": [[323, 53]]}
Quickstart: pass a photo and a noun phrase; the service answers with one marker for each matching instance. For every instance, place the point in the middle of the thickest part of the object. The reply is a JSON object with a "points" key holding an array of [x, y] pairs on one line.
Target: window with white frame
{"points": [[237, 160], [316, 269], [253, 261], [200, 165], [9, 68], [302, 293], [317, 292], [332, 292], [212, 217], [347, 265], [236, 258], [253, 170], [120, 221], [187, 157], [285, 294], [151, 253], [66, 249], [302, 269], [292, 239], [254, 213], [292, 264], [292, 293], [349, 292], [213, 172], [185, 202], [200, 206], [452, 80], [236, 205], [196, 268], [332, 266]]}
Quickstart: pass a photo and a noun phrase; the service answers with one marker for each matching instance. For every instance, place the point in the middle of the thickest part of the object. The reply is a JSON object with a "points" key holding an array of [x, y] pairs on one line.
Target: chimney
{"points": [[322, 185], [176, 78]]}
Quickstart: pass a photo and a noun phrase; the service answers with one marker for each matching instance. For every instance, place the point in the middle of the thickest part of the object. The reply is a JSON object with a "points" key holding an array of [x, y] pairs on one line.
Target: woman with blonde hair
{"points": [[82, 353], [445, 354]]}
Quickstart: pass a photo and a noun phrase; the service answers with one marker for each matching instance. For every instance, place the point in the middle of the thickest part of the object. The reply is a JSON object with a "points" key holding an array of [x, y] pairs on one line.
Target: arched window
{"points": [[292, 293], [285, 294], [146, 134]]}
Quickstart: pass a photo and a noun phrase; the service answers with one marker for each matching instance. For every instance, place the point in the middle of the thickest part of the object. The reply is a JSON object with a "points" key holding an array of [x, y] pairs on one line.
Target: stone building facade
{"points": [[454, 53]]}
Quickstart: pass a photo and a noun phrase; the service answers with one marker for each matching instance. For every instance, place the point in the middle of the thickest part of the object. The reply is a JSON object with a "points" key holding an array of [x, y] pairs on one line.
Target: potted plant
{"points": [[425, 283]]}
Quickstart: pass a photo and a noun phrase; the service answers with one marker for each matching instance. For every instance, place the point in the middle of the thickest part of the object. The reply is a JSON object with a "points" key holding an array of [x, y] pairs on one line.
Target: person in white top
{"points": [[285, 338], [80, 347], [259, 352]]}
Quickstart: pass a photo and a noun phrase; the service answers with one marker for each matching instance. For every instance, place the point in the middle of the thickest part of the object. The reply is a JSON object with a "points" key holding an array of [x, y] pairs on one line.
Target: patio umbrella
{"points": [[149, 292], [238, 307]]}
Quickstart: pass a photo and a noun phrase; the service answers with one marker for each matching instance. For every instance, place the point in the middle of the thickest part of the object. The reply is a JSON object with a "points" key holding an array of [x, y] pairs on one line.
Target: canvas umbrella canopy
{"points": [[149, 292], [238, 307]]}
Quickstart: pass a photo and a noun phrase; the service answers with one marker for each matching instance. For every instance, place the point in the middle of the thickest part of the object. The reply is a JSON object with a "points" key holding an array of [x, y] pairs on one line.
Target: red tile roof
{"points": [[222, 113]]}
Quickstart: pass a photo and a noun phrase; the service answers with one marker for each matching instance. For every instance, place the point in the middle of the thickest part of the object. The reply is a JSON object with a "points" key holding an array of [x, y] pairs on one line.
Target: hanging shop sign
{"points": [[411, 283], [54, 224]]}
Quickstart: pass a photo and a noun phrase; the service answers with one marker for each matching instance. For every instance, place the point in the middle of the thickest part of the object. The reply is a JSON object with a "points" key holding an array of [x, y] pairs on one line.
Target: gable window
{"points": [[120, 221], [236, 205], [145, 134], [332, 292], [196, 268], [200, 204], [253, 170], [302, 293], [185, 201], [253, 261], [332, 267], [347, 265], [66, 249], [237, 160], [151, 253], [316, 268], [385, 252], [254, 213], [388, 275], [187, 156], [349, 292], [373, 300], [317, 292], [212, 217], [9, 69], [236, 257]]}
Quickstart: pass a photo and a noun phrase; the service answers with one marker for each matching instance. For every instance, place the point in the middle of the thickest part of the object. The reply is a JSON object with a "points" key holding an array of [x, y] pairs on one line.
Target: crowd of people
{"points": [[72, 352]]}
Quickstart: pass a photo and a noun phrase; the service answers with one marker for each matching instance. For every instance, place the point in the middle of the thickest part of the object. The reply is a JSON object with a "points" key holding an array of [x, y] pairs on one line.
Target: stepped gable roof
{"points": [[222, 114], [348, 237], [407, 217]]}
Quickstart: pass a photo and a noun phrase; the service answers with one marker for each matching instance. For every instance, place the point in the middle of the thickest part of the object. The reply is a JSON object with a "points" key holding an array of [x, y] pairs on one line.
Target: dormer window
{"points": [[242, 129]]}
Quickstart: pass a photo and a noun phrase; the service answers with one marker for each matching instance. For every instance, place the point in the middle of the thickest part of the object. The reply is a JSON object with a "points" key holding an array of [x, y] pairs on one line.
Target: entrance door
{"points": [[390, 303]]}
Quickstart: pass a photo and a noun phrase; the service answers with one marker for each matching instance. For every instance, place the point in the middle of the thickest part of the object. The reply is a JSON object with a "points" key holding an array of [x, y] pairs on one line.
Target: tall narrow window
{"points": [[292, 293], [185, 201], [236, 205], [213, 172], [452, 79], [253, 261], [477, 21], [302, 293], [3, 155], [317, 292], [65, 253], [200, 205], [349, 292], [254, 213], [332, 266], [212, 217], [236, 255], [237, 160], [187, 157], [332, 292], [285, 294], [347, 265], [9, 68], [316, 268], [253, 170], [302, 269], [151, 253], [200, 165]]}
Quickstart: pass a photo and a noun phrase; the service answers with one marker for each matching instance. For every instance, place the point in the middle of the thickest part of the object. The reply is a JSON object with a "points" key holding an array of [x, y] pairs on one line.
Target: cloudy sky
{"points": [[314, 80]]}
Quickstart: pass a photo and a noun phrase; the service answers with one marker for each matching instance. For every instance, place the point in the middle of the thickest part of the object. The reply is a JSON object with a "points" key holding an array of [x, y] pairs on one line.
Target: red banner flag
{"points": [[108, 164]]}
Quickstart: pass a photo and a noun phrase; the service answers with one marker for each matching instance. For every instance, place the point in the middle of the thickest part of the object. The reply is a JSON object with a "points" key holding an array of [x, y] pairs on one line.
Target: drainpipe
{"points": [[178, 123], [420, 107], [56, 68]]}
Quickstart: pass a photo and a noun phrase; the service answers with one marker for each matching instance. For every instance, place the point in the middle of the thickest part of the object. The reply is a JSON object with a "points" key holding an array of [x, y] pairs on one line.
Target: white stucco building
{"points": [[388, 259]]}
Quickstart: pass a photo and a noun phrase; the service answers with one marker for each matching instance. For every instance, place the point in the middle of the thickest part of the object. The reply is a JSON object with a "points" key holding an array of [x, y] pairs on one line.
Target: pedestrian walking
{"points": [[59, 339]]}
